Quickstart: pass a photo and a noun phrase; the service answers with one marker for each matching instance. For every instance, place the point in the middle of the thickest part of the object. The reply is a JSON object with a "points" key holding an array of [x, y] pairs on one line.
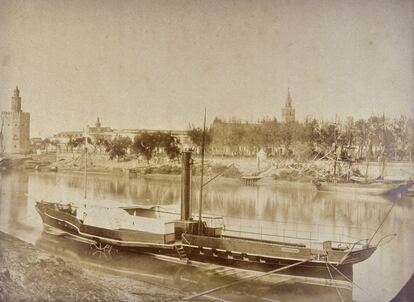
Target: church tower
{"points": [[98, 123], [288, 112], [15, 128]]}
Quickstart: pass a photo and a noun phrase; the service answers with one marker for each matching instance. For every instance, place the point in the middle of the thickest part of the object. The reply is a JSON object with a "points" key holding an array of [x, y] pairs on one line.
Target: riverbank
{"points": [[227, 167], [30, 274]]}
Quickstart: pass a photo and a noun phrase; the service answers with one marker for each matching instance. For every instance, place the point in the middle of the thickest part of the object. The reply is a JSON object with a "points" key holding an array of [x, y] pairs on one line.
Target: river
{"points": [[270, 211]]}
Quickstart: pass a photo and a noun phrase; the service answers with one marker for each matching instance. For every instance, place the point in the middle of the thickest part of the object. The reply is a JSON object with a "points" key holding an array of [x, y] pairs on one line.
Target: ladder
{"points": [[181, 253]]}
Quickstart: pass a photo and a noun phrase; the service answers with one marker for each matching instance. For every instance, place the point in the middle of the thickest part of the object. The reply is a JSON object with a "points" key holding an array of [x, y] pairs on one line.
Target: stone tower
{"points": [[15, 128], [288, 112]]}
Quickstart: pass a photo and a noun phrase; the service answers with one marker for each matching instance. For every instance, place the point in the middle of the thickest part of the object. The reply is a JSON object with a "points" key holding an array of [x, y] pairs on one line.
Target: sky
{"points": [[158, 64]]}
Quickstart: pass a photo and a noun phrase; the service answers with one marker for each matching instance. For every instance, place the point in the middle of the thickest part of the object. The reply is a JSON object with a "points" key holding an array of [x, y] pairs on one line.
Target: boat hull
{"points": [[312, 268], [120, 237], [370, 189]]}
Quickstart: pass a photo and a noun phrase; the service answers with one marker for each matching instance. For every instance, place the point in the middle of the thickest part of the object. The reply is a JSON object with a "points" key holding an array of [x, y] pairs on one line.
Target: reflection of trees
{"points": [[239, 203]]}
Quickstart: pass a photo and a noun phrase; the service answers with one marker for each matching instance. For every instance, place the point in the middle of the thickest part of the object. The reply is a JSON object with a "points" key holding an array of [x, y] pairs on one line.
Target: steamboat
{"points": [[196, 238]]}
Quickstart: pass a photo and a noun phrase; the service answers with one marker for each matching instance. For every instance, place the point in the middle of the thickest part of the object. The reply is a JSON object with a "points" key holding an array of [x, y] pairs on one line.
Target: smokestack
{"points": [[186, 186]]}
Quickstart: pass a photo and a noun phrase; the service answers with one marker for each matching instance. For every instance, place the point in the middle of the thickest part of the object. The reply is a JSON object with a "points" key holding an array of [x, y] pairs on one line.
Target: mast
{"points": [[86, 166], [335, 151], [367, 153], [1, 137], [348, 156], [383, 147], [200, 208]]}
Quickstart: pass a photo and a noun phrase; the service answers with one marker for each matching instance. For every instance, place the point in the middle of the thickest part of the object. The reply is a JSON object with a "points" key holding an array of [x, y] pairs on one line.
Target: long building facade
{"points": [[15, 128], [99, 132]]}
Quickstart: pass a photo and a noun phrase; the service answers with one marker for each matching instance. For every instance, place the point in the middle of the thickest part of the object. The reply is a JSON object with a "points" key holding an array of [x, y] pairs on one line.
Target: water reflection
{"points": [[262, 209], [188, 278]]}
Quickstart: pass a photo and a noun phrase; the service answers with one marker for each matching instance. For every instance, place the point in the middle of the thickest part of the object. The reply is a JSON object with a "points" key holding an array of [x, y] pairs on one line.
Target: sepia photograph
{"points": [[207, 150]]}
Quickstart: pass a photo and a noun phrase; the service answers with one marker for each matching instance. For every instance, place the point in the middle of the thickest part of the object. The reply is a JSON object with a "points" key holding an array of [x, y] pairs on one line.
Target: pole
{"points": [[383, 147], [335, 151], [200, 207], [86, 167], [348, 156]]}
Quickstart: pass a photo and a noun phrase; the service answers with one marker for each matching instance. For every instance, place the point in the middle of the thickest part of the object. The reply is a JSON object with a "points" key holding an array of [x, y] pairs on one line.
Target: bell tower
{"points": [[288, 112]]}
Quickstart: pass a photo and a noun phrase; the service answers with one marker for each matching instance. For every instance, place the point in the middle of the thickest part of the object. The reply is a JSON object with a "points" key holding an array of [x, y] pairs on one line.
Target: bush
{"points": [[302, 151]]}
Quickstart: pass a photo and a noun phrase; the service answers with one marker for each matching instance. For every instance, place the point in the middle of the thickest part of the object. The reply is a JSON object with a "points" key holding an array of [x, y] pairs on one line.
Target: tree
{"points": [[117, 148], [145, 144], [169, 143], [102, 144], [78, 141], [196, 136]]}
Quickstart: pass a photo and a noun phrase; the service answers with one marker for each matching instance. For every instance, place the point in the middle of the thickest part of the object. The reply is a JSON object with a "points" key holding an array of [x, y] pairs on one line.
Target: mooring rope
{"points": [[349, 280], [330, 274], [245, 279]]}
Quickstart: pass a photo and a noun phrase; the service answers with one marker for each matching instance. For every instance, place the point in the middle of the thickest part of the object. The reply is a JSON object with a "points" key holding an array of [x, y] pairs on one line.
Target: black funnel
{"points": [[186, 186]]}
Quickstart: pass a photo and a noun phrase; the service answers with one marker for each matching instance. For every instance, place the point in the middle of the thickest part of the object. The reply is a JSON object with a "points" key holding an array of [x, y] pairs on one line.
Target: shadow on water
{"points": [[258, 209]]}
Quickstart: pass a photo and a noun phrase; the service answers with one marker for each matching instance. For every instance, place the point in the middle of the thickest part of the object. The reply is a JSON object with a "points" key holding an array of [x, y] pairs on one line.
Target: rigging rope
{"points": [[381, 224]]}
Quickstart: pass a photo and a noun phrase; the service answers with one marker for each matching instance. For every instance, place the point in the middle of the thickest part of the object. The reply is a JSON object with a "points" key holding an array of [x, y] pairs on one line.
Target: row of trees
{"points": [[372, 137], [146, 144], [369, 138]]}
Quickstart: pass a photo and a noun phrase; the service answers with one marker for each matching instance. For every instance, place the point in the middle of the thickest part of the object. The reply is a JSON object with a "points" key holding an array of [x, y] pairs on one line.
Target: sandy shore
{"points": [[30, 274]]}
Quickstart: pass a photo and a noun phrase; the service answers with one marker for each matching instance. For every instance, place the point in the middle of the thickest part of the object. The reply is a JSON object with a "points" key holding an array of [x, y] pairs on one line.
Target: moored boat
{"points": [[178, 235], [371, 188]]}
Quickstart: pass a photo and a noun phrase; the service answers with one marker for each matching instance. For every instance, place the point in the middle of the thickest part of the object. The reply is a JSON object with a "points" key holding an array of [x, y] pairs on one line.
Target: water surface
{"points": [[269, 211]]}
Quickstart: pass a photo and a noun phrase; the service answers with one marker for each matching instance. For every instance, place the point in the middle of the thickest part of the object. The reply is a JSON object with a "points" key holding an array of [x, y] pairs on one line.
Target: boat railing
{"points": [[313, 235], [312, 238], [295, 224]]}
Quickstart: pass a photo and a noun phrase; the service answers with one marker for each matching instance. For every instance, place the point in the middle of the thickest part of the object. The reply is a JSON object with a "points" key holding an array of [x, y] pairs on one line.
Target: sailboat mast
{"points": [[1, 137], [335, 150], [367, 152], [86, 167], [348, 156], [383, 147], [200, 208]]}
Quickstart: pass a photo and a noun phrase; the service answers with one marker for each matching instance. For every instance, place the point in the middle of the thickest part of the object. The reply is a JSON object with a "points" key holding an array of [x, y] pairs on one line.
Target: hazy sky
{"points": [[157, 64]]}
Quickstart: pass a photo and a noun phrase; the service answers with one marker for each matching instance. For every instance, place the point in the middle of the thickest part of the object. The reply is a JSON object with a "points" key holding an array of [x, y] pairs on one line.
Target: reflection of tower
{"points": [[13, 196], [288, 112], [15, 131]]}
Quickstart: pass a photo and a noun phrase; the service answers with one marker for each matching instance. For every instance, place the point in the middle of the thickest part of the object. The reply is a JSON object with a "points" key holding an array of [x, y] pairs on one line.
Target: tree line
{"points": [[145, 144], [372, 138], [377, 136]]}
